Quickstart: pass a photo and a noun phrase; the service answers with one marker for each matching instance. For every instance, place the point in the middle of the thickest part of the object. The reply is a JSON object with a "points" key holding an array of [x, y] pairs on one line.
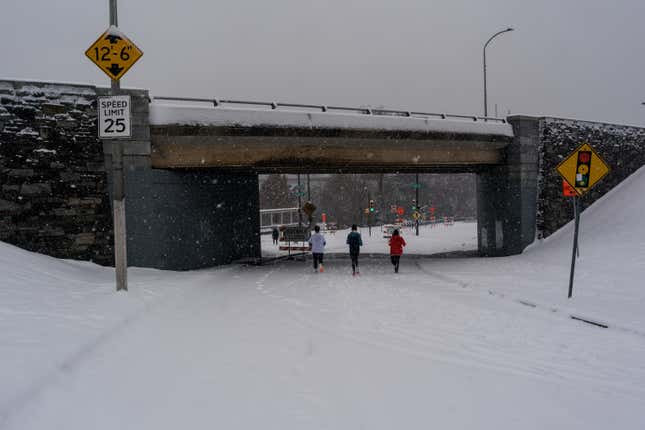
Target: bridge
{"points": [[201, 155], [191, 169]]}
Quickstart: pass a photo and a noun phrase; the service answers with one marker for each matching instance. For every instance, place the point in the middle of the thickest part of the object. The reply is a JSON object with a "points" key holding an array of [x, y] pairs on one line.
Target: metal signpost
{"points": [[582, 169], [114, 54], [369, 214], [569, 191], [299, 202], [416, 216]]}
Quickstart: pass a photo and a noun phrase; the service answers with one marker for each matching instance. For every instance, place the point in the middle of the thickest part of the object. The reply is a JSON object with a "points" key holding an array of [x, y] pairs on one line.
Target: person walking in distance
{"points": [[317, 244], [275, 234], [355, 242], [396, 249]]}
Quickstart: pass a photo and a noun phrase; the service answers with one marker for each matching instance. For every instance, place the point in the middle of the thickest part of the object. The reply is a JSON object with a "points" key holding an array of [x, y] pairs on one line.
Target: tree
{"points": [[275, 193], [344, 197]]}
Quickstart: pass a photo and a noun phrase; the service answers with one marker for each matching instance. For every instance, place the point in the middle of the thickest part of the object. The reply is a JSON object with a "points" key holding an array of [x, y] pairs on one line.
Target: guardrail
{"points": [[324, 108], [270, 218]]}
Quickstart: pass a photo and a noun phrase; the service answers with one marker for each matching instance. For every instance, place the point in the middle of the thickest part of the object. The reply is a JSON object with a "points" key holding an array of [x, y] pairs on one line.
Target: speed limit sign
{"points": [[114, 117]]}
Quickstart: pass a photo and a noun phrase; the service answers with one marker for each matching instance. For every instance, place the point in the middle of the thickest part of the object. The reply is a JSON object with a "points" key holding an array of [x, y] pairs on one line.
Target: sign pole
{"points": [[575, 216], [369, 214], [580, 171], [299, 202], [418, 203], [575, 244], [120, 244]]}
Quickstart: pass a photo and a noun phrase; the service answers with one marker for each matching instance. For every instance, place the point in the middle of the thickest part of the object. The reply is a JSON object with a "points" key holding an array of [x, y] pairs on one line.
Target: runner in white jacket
{"points": [[317, 244]]}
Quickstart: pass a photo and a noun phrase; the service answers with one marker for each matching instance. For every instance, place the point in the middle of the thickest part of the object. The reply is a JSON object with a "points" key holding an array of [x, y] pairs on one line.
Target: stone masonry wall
{"points": [[622, 147], [53, 196]]}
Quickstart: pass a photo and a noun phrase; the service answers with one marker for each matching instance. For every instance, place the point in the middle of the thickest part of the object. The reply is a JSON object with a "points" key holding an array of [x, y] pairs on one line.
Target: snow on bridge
{"points": [[213, 112]]}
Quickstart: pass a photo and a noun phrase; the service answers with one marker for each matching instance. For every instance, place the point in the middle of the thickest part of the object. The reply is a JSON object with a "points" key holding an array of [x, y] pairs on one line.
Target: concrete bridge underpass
{"points": [[192, 169]]}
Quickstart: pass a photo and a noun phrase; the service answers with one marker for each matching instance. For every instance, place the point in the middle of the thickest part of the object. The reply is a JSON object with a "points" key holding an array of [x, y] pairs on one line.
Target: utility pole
{"points": [[120, 242]]}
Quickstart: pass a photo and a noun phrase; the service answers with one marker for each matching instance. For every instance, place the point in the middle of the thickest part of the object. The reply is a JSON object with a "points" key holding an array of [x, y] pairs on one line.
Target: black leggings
{"points": [[354, 258], [318, 258], [395, 261]]}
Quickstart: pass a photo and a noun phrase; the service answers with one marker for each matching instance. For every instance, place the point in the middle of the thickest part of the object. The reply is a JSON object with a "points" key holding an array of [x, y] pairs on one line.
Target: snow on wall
{"points": [[177, 114]]}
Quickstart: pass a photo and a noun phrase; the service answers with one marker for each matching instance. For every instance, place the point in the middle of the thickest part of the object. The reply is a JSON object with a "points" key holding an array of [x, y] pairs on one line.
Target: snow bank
{"points": [[53, 313], [608, 284]]}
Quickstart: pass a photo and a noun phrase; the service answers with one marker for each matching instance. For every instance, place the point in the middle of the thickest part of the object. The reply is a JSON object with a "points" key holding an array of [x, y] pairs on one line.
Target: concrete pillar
{"points": [[507, 194], [184, 219]]}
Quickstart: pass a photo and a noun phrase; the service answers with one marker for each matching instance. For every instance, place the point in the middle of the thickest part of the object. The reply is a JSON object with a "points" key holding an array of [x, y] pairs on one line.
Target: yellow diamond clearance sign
{"points": [[114, 53], [583, 168]]}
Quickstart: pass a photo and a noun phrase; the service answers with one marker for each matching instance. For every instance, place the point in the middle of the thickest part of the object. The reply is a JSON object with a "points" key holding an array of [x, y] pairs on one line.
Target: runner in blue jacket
{"points": [[355, 242]]}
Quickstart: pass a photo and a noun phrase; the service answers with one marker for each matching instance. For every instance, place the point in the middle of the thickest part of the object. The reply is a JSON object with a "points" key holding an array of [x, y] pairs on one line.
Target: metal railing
{"points": [[270, 218], [324, 108]]}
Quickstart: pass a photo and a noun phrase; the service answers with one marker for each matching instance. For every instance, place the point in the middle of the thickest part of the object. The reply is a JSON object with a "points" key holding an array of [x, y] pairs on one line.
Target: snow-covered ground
{"points": [[446, 343], [437, 239]]}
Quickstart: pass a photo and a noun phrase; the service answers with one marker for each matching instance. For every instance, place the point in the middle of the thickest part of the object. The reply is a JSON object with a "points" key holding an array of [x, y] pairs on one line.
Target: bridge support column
{"points": [[184, 219], [507, 195]]}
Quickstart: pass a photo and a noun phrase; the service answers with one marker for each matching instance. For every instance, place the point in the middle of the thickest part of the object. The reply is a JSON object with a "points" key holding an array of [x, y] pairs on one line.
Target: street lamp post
{"points": [[485, 45]]}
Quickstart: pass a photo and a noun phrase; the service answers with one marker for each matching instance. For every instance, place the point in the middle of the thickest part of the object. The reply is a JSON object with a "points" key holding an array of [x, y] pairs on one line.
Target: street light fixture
{"points": [[485, 45]]}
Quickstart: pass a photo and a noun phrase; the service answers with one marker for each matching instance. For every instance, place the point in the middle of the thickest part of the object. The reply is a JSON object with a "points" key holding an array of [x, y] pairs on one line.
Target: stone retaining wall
{"points": [[622, 147], [54, 197]]}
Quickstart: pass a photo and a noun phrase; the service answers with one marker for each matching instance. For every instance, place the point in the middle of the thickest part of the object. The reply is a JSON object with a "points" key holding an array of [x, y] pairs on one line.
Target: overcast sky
{"points": [[573, 58]]}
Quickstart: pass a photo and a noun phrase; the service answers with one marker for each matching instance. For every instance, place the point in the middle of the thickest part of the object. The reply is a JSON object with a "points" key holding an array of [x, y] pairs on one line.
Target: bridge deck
{"points": [[290, 140]]}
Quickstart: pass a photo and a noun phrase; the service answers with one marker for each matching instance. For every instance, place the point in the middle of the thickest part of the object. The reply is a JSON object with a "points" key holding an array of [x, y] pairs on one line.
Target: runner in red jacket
{"points": [[396, 249]]}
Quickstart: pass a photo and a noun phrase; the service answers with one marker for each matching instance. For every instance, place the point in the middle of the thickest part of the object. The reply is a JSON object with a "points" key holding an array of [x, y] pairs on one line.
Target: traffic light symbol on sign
{"points": [[582, 169]]}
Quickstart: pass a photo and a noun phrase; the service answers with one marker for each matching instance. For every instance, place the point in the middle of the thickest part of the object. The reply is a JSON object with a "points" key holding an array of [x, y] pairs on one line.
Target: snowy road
{"points": [[446, 343], [281, 347]]}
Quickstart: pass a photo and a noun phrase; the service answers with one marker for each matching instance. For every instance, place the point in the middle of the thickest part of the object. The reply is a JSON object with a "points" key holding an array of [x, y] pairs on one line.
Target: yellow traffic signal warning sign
{"points": [[114, 53], [583, 168]]}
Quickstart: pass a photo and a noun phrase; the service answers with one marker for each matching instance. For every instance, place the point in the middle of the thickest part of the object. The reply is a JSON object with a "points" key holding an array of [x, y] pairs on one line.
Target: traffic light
{"points": [[414, 205], [371, 205], [582, 169]]}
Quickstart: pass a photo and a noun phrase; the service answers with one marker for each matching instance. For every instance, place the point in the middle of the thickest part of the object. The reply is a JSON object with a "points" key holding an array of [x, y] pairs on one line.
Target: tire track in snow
{"points": [[67, 365], [532, 304], [559, 369], [452, 344]]}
